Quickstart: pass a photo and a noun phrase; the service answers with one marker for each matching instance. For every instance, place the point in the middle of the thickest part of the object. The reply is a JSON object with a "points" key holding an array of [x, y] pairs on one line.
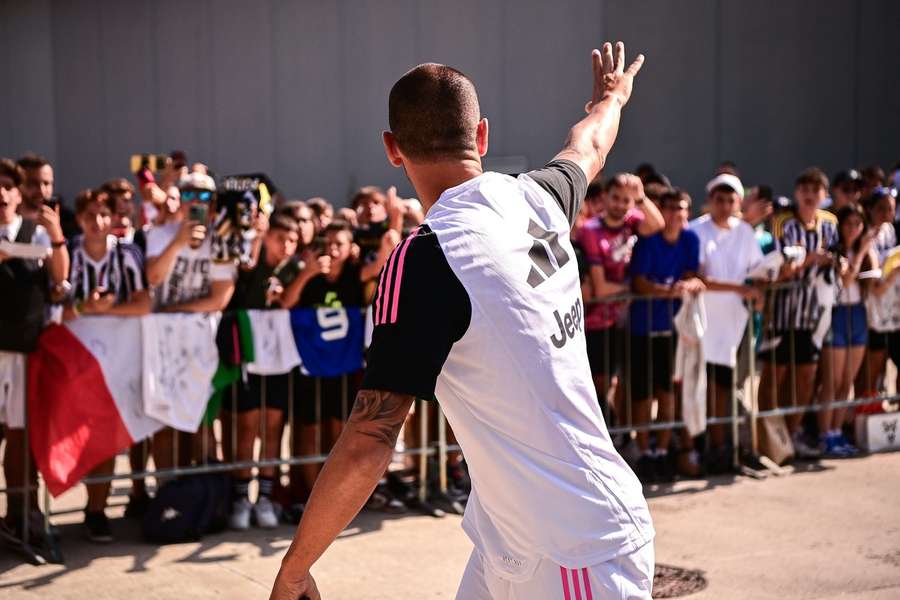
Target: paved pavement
{"points": [[830, 531]]}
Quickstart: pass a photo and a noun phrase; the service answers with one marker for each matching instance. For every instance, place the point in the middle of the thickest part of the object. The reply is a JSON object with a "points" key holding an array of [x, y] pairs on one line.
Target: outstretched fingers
{"points": [[636, 65], [620, 57], [607, 58]]}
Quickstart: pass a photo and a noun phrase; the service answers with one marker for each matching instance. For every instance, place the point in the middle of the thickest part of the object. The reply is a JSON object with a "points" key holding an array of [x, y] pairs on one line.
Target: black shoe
{"points": [[137, 506], [646, 469], [665, 468], [97, 526]]}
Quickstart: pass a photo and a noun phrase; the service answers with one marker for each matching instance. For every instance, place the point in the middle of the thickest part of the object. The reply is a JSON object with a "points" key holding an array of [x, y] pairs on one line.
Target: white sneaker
{"points": [[240, 514], [264, 513]]}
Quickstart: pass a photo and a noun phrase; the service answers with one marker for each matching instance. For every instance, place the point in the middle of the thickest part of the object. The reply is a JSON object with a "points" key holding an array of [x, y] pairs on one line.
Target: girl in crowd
{"points": [[843, 354]]}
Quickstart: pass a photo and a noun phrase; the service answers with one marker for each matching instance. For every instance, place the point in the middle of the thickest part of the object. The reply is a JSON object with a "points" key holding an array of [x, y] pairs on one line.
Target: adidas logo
{"points": [[546, 253]]}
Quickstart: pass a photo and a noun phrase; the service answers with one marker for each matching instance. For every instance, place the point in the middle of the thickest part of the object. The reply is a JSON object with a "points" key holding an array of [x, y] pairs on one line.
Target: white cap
{"points": [[726, 179], [197, 181]]}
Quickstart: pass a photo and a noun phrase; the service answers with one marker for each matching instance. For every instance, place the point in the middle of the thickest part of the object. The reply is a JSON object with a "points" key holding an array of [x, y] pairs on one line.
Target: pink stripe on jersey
{"points": [[576, 585], [395, 291], [565, 583], [379, 300], [383, 293], [587, 585]]}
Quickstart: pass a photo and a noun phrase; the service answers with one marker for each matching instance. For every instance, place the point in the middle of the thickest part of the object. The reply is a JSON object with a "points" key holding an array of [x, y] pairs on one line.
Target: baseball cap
{"points": [[197, 181], [848, 176], [727, 180]]}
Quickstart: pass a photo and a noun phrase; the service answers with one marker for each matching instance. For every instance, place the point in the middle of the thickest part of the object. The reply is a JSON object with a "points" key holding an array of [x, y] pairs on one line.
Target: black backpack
{"points": [[187, 508], [23, 301]]}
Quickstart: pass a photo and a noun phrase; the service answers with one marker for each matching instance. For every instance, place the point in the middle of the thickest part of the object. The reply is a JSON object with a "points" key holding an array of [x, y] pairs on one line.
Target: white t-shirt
{"points": [[194, 269], [883, 311], [481, 307], [727, 255], [11, 230]]}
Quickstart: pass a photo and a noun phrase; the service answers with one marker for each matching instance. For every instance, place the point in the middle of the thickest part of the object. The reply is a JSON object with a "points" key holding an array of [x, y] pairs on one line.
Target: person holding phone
{"points": [[107, 278], [185, 278]]}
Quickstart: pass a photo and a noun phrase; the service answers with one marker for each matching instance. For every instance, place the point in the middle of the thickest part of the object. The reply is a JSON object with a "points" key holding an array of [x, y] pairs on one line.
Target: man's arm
{"points": [[357, 462], [591, 139], [220, 292]]}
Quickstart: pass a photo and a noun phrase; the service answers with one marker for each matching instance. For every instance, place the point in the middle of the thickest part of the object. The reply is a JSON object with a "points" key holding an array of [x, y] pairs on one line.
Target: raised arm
{"points": [[591, 139], [358, 460]]}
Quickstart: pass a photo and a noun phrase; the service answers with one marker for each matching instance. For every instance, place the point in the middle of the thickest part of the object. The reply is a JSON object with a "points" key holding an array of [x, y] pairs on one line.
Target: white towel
{"points": [[274, 349], [690, 366]]}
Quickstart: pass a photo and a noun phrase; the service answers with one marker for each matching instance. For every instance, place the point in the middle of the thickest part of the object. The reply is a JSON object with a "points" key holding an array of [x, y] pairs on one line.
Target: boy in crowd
{"points": [[846, 189], [186, 279], [728, 251], [107, 278], [259, 288], [332, 280], [26, 285], [664, 265], [121, 194], [797, 310], [607, 242]]}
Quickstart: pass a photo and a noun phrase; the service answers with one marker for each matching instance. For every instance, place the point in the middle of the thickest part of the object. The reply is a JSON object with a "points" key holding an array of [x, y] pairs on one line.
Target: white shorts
{"points": [[12, 389], [629, 577]]}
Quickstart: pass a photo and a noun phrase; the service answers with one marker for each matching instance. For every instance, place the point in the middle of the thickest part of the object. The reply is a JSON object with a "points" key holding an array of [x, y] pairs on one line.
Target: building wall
{"points": [[299, 89]]}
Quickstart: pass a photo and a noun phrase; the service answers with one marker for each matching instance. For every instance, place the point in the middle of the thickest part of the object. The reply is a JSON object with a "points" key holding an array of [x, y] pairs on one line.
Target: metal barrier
{"points": [[212, 452]]}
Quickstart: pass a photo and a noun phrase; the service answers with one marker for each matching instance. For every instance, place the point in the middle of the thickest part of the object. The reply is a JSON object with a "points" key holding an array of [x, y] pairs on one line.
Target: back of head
{"points": [[433, 113]]}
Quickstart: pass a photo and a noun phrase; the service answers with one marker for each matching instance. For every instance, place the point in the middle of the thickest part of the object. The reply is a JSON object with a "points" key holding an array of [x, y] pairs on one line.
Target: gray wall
{"points": [[298, 89]]}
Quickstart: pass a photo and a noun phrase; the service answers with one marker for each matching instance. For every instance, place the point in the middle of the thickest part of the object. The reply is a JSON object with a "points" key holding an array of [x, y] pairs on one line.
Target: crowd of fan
{"points": [[157, 246]]}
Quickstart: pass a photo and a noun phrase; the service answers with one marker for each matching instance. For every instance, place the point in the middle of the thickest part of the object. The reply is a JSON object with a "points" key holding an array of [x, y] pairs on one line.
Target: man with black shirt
{"points": [[481, 307], [25, 285]]}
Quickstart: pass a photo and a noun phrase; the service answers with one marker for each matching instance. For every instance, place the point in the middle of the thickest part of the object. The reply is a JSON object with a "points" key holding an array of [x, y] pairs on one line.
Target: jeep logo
{"points": [[545, 245], [568, 324]]}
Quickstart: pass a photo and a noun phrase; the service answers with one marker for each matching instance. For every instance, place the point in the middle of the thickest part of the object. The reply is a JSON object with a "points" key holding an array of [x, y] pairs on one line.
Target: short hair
{"points": [[595, 189], [86, 198], [656, 177], [674, 195], [283, 221], [10, 169], [31, 161], [433, 113], [812, 176], [873, 172], [119, 185], [617, 180], [655, 191], [319, 206], [339, 225], [364, 192]]}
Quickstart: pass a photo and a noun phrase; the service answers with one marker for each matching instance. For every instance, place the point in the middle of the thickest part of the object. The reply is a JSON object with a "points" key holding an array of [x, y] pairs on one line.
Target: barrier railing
{"points": [[212, 451]]}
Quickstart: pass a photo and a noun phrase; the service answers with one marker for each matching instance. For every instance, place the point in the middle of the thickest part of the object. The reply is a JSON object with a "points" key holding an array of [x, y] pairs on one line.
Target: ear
{"points": [[391, 149], [481, 136]]}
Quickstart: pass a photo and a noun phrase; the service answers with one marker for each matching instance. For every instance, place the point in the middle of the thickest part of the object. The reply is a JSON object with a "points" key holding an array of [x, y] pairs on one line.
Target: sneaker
{"points": [[665, 468], [688, 464], [240, 514], [803, 450], [646, 469], [97, 526], [137, 506], [383, 500], [293, 513], [264, 514]]}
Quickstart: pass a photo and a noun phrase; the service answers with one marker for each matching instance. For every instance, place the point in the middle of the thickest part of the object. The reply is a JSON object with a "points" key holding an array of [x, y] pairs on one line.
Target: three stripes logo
{"points": [[546, 253]]}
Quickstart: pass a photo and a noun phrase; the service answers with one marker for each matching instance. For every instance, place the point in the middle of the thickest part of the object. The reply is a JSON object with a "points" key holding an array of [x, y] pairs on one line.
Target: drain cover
{"points": [[675, 582]]}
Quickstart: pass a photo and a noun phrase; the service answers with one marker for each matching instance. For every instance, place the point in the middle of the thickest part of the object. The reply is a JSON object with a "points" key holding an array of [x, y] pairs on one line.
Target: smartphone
{"points": [[198, 213], [52, 202]]}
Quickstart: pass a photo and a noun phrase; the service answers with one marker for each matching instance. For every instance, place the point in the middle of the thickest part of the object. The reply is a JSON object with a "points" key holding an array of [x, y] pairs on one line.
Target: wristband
{"points": [[58, 244]]}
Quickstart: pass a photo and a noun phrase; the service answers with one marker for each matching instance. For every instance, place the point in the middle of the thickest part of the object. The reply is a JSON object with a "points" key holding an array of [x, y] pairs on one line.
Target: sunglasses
{"points": [[201, 195]]}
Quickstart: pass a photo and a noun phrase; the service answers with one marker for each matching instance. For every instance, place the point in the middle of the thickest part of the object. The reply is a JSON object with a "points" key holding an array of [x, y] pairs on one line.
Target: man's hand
{"points": [[610, 76], [316, 265], [48, 218], [294, 587], [634, 188]]}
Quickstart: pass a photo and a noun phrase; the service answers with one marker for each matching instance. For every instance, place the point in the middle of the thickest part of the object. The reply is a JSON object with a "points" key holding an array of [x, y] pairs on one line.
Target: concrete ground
{"points": [[826, 531]]}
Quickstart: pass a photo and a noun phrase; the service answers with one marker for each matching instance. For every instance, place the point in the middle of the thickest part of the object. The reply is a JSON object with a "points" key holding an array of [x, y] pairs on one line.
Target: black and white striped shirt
{"points": [[120, 271], [798, 307]]}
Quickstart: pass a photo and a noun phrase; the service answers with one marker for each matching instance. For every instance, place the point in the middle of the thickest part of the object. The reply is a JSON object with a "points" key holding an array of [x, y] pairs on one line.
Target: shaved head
{"points": [[433, 113]]}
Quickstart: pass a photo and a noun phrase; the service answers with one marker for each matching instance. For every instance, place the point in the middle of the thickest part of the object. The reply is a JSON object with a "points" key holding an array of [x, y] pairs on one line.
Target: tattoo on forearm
{"points": [[380, 414]]}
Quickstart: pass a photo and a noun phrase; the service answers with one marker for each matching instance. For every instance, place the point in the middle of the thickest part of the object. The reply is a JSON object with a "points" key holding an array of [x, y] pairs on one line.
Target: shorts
{"points": [[606, 350], [628, 577], [848, 326], [247, 396], [335, 395], [804, 350], [12, 389], [721, 375], [878, 340], [652, 362]]}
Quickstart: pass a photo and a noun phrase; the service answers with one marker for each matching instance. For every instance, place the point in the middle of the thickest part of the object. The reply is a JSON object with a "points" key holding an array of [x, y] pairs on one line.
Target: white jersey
{"points": [[482, 306]]}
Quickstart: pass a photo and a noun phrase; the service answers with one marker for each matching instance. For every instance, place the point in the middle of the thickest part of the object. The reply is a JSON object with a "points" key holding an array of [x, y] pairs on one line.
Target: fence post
{"points": [[423, 447]]}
